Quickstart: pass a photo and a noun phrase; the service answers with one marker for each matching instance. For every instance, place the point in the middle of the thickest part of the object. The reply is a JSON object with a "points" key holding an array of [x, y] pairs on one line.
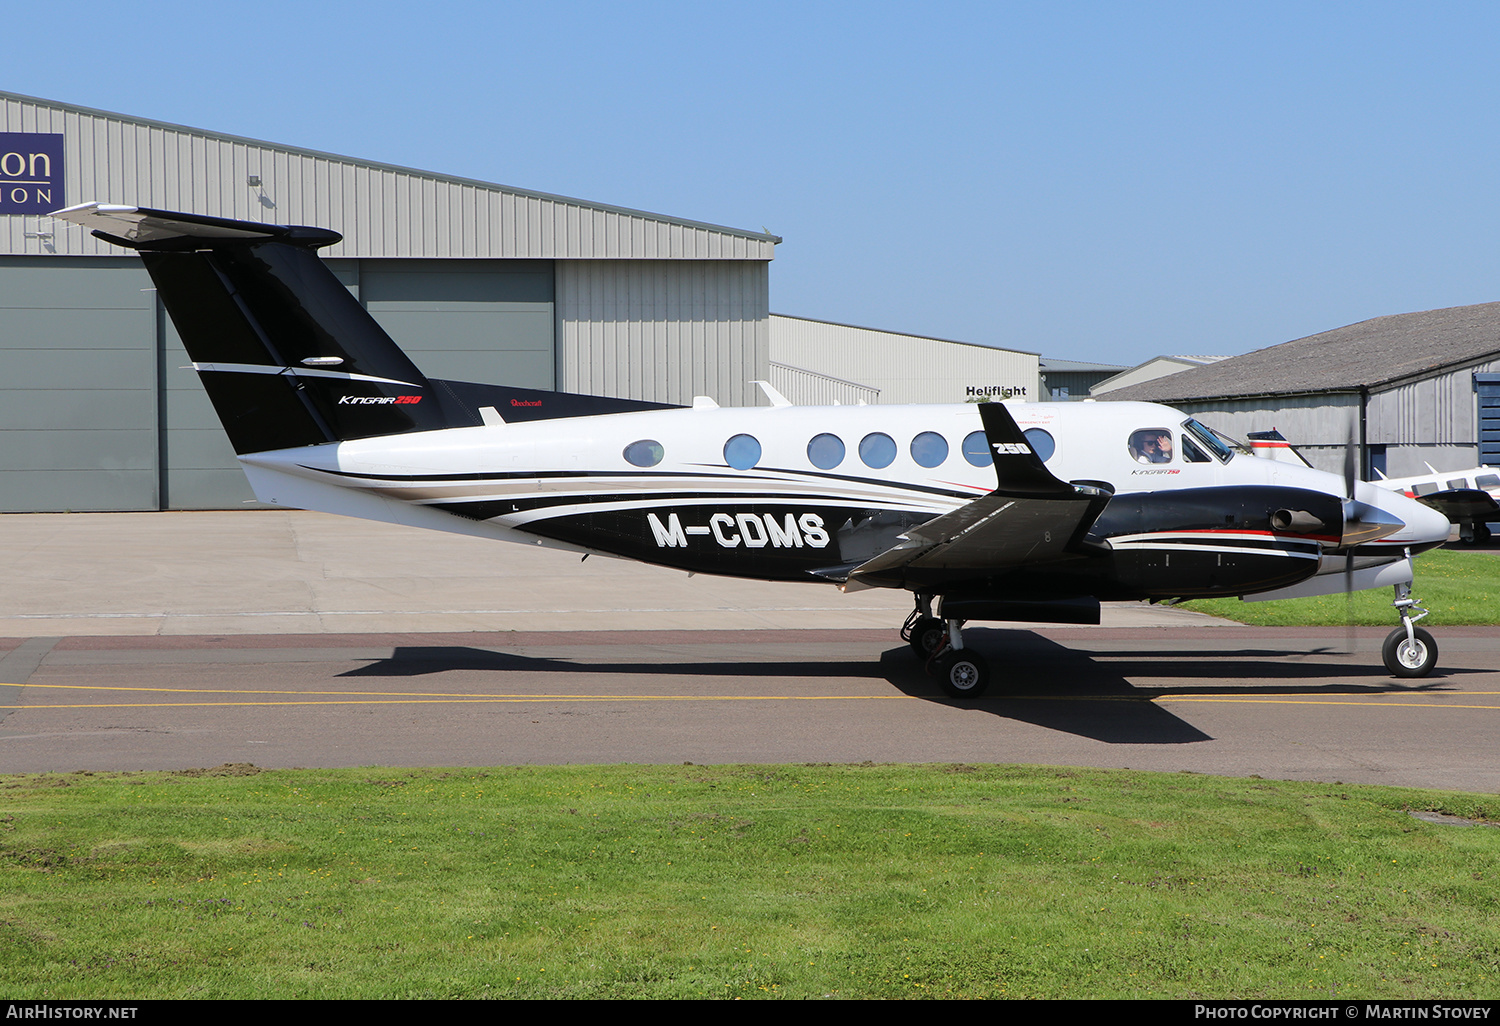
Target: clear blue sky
{"points": [[1092, 181]]}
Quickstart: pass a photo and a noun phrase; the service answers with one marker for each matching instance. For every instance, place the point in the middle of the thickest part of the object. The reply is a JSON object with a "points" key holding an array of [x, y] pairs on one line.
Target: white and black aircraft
{"points": [[1032, 513]]}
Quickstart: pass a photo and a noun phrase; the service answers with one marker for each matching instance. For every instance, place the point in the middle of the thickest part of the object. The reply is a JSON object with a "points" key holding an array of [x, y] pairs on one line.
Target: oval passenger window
{"points": [[742, 452], [877, 450], [645, 453], [825, 451]]}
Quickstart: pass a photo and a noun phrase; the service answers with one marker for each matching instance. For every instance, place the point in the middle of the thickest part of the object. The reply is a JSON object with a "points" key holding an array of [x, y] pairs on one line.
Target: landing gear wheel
{"points": [[1409, 658], [962, 673], [927, 636]]}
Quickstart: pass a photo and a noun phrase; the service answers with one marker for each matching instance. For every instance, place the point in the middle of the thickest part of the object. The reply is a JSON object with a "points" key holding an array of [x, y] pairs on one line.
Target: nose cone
{"points": [[1429, 527]]}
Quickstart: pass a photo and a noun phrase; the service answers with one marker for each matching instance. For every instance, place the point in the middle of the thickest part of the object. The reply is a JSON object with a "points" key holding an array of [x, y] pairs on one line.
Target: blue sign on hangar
{"points": [[31, 172]]}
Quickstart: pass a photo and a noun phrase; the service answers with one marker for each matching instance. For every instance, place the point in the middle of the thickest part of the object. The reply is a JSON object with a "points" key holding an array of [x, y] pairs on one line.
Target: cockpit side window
{"points": [[1151, 445], [1210, 440], [1191, 453]]}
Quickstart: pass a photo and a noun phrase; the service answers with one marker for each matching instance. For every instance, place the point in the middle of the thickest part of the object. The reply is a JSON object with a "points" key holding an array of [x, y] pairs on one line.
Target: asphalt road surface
{"points": [[1281, 703]]}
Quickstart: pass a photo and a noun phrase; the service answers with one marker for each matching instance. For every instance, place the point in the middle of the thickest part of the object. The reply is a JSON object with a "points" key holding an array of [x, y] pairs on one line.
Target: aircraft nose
{"points": [[1427, 525]]}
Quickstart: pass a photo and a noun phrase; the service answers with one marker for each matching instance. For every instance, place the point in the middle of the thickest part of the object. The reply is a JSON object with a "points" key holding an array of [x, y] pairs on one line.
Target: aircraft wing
{"points": [[1458, 504], [1031, 517]]}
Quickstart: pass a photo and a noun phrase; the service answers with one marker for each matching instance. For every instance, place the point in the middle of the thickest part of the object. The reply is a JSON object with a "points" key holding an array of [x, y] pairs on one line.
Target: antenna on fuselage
{"points": [[777, 399]]}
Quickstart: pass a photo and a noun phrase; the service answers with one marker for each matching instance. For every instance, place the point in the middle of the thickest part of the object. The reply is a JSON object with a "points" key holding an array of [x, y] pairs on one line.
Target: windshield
{"points": [[1222, 446]]}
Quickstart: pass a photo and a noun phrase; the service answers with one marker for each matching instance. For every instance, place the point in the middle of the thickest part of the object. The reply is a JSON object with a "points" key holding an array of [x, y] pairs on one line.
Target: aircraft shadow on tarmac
{"points": [[1034, 680]]}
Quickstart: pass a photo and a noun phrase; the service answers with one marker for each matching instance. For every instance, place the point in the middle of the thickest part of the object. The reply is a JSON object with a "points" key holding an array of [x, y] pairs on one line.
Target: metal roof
{"points": [[1075, 366], [381, 209], [1371, 354]]}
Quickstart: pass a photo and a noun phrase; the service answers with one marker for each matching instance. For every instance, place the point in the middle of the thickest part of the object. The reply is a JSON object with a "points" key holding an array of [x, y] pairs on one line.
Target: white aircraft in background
{"points": [[1028, 513], [1465, 497]]}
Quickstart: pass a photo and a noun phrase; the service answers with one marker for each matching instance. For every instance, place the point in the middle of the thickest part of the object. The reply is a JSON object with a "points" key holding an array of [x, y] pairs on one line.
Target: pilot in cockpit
{"points": [[1151, 445]]}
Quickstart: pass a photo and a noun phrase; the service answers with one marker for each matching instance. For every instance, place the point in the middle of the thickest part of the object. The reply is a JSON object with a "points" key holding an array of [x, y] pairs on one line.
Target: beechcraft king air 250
{"points": [[1031, 513]]}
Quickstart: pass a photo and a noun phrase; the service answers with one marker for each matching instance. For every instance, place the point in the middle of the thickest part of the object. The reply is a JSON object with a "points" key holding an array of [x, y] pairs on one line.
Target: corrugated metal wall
{"points": [[902, 368], [663, 332], [1437, 410], [815, 389], [1432, 420], [79, 370]]}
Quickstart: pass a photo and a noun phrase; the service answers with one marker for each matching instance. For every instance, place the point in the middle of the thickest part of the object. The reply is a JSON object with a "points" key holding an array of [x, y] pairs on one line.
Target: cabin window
{"points": [[825, 451], [929, 449], [1425, 488], [1041, 443], [1459, 483], [645, 453], [877, 450], [742, 452], [976, 449], [1487, 481], [1151, 445]]}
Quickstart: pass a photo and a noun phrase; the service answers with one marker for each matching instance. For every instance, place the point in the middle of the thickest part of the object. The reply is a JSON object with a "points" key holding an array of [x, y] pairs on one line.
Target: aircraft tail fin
{"points": [[1273, 445], [287, 355]]}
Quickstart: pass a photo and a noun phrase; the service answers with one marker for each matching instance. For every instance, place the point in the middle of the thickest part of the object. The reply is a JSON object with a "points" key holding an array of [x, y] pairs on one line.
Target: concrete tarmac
{"points": [[166, 641], [293, 572]]}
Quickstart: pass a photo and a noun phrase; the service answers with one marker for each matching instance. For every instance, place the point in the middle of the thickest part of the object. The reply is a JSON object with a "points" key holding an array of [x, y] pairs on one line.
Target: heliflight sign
{"points": [[31, 172]]}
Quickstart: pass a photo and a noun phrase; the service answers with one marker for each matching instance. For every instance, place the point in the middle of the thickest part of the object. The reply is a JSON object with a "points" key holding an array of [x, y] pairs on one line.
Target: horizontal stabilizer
{"points": [[147, 229]]}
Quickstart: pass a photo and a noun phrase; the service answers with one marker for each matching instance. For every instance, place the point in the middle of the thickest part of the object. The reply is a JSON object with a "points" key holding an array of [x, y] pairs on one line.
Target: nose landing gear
{"points": [[1409, 651]]}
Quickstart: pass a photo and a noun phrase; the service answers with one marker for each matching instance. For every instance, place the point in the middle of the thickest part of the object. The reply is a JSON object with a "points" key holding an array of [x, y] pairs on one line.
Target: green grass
{"points": [[739, 881], [1459, 588]]}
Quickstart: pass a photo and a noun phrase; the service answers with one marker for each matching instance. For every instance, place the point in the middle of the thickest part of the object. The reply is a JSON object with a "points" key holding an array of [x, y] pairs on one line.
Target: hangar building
{"points": [[480, 282], [1412, 388], [822, 363]]}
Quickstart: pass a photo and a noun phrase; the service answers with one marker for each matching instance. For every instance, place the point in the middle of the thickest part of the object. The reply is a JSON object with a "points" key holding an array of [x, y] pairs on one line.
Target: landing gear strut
{"points": [[923, 631], [961, 672], [1409, 651], [1472, 532]]}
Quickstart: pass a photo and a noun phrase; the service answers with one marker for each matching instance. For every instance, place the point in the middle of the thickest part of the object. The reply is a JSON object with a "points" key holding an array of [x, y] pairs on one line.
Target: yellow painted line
{"points": [[1292, 700], [475, 701], [1442, 700], [377, 697]]}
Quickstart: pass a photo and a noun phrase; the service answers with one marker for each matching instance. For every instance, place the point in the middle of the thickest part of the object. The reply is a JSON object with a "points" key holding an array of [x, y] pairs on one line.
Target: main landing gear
{"points": [[961, 672], [1409, 651]]}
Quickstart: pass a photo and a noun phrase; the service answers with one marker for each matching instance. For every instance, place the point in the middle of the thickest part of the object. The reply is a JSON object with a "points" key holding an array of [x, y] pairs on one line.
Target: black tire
{"points": [[962, 673], [1409, 659], [927, 636]]}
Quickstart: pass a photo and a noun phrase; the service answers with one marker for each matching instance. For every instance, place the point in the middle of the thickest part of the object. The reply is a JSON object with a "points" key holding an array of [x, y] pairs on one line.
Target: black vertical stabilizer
{"points": [[286, 354]]}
